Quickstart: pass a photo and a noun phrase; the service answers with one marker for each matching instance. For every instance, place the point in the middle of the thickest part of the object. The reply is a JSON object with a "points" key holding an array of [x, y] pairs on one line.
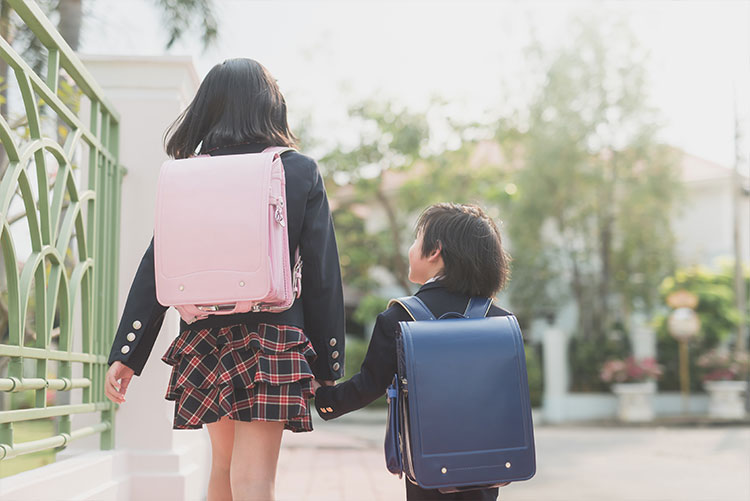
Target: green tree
{"points": [[591, 216], [381, 184], [390, 143]]}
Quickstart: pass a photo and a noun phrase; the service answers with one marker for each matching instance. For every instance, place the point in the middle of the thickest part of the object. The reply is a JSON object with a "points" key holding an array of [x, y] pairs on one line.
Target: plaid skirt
{"points": [[247, 376]]}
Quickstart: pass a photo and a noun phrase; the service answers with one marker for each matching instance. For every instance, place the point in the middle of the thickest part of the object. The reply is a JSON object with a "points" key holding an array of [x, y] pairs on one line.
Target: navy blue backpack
{"points": [[459, 415]]}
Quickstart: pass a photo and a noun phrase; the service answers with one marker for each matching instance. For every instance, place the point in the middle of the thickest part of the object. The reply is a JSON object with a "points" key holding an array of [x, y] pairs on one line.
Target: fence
{"points": [[71, 234]]}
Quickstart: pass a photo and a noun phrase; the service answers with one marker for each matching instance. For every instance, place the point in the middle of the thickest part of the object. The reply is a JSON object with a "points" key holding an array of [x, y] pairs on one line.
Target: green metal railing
{"points": [[55, 215]]}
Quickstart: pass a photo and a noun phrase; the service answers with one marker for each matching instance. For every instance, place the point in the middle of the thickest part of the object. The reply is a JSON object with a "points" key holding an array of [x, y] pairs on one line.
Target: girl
{"points": [[246, 376], [457, 254]]}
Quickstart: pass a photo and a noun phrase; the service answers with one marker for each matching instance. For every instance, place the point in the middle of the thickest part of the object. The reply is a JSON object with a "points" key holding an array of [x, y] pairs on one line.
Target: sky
{"points": [[329, 54]]}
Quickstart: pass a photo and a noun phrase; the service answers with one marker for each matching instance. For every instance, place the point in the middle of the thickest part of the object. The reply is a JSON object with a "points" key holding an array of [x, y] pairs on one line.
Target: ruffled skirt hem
{"points": [[247, 376]]}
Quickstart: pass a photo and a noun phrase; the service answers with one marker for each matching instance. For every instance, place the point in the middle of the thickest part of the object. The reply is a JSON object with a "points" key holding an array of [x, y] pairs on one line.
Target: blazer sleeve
{"points": [[322, 293], [141, 319], [373, 378]]}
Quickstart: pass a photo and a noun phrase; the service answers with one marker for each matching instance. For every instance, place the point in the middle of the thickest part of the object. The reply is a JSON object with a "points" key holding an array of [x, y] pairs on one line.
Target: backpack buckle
{"points": [[278, 214], [216, 307]]}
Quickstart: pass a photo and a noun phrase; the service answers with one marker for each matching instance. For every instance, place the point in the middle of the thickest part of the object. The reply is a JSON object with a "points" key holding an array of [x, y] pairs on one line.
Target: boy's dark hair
{"points": [[475, 262], [237, 102]]}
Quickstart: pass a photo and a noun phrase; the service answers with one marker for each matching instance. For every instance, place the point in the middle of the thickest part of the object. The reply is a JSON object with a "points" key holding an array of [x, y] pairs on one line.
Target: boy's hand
{"points": [[116, 381]]}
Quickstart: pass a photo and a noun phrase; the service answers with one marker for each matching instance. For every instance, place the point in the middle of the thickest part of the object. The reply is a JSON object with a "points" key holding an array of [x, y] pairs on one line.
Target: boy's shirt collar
{"points": [[432, 283]]}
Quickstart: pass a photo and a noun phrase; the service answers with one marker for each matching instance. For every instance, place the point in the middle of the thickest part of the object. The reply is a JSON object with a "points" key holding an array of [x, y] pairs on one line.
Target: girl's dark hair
{"points": [[475, 262], [238, 102]]}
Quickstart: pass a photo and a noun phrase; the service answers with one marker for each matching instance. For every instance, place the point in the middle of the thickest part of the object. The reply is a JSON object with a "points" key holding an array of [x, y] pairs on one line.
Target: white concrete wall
{"points": [[151, 460], [704, 225], [578, 407]]}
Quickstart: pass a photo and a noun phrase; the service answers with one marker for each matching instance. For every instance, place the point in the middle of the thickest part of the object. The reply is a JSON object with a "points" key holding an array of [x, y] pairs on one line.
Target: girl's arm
{"points": [[372, 380], [322, 293], [141, 319]]}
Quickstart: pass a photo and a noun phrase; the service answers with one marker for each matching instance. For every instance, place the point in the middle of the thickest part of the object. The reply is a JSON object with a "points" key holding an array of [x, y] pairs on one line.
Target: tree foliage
{"points": [[388, 144], [596, 189]]}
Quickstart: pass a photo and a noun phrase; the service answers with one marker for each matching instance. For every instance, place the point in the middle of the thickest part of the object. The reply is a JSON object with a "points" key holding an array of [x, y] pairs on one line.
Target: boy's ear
{"points": [[436, 253]]}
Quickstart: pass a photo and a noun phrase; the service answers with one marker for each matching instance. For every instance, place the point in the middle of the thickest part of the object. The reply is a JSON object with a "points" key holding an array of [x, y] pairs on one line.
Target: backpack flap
{"points": [[468, 409], [198, 199]]}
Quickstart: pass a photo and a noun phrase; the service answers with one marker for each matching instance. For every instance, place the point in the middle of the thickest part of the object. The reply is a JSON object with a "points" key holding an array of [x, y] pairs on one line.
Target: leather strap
{"points": [[414, 306], [278, 149], [478, 307], [297, 270]]}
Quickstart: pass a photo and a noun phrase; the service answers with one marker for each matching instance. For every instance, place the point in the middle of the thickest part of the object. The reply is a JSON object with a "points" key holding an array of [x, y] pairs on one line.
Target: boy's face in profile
{"points": [[422, 268]]}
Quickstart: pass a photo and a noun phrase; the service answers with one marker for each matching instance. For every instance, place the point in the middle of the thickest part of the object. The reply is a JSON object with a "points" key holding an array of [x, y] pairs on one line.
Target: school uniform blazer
{"points": [[380, 362], [320, 309]]}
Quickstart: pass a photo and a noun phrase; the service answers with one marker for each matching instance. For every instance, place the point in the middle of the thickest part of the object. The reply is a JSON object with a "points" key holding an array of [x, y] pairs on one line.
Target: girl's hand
{"points": [[315, 386], [116, 382]]}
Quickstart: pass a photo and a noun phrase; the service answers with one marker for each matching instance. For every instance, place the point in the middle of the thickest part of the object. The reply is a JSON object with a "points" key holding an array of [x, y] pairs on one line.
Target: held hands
{"points": [[116, 382], [318, 383]]}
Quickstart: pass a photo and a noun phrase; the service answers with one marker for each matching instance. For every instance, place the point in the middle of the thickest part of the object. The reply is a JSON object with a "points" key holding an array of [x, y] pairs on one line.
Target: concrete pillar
{"points": [[149, 93], [642, 337], [556, 376]]}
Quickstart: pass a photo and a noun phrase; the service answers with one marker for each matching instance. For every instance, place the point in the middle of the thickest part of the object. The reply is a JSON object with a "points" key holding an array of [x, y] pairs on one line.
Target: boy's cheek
{"points": [[414, 278]]}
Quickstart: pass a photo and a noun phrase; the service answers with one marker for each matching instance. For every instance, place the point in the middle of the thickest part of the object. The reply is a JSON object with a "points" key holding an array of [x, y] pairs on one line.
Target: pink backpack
{"points": [[220, 236]]}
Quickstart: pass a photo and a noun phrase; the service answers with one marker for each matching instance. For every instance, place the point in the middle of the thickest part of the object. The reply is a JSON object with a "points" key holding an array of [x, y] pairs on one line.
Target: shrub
{"points": [[630, 370], [721, 365], [534, 375], [717, 313], [587, 356]]}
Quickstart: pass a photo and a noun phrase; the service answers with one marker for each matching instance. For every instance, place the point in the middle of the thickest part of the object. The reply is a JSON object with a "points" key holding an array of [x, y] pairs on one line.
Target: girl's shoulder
{"points": [[294, 157], [300, 167]]}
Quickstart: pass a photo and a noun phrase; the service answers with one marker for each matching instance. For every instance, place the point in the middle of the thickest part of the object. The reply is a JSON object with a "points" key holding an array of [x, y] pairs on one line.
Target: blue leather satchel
{"points": [[459, 409]]}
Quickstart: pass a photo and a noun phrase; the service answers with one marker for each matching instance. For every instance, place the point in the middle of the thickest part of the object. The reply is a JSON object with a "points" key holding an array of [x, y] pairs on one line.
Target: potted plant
{"points": [[722, 379], [634, 383]]}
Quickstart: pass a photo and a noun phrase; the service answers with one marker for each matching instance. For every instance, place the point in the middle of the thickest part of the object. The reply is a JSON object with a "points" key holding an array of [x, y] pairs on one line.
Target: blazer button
{"points": [[131, 336], [125, 349], [336, 366], [335, 355], [329, 409], [333, 341], [137, 324]]}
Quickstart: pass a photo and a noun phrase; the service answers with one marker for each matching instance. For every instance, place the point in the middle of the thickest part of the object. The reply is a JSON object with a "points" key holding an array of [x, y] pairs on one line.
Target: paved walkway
{"points": [[343, 461]]}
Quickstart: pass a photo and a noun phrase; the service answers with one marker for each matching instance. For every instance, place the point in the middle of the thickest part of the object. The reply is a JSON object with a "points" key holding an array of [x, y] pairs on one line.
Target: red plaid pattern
{"points": [[248, 376]]}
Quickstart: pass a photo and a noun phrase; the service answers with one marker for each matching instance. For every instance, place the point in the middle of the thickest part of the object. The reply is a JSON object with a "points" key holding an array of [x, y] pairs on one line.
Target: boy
{"points": [[457, 254]]}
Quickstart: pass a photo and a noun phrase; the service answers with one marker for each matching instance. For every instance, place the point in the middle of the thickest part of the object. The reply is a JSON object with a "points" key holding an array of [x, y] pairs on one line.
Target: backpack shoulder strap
{"points": [[478, 307], [414, 306], [278, 149]]}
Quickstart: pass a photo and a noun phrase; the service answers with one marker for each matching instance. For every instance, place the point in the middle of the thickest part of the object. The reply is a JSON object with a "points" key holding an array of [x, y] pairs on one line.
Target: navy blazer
{"points": [[320, 309], [380, 362]]}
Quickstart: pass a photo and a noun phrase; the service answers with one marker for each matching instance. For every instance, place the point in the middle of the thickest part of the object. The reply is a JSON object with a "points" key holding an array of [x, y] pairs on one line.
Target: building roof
{"points": [[696, 169]]}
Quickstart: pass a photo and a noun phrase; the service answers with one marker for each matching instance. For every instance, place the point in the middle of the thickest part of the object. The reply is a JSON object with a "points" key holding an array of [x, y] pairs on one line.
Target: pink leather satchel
{"points": [[220, 236]]}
